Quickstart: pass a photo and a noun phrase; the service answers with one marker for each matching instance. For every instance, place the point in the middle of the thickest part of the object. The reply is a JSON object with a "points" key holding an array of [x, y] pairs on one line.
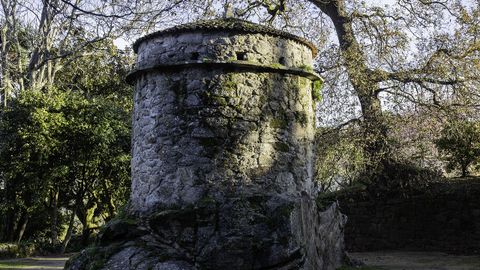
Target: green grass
{"points": [[33, 263], [15, 265]]}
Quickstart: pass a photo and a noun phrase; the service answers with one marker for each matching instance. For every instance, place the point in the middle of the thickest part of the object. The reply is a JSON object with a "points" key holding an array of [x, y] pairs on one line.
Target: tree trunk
{"points": [[15, 223], [374, 127], [375, 132], [23, 226], [464, 170], [3, 62], [85, 215], [54, 227], [69, 232]]}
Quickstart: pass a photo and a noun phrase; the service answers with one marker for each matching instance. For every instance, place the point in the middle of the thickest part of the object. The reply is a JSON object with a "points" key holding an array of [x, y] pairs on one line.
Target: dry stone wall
{"points": [[445, 217]]}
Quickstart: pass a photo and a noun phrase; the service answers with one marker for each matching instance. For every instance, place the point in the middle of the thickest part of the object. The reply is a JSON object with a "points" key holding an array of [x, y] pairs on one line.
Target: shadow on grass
{"points": [[360, 268]]}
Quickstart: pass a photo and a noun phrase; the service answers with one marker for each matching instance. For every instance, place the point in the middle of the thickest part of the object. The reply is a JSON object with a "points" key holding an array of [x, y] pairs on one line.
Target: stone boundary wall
{"points": [[446, 218]]}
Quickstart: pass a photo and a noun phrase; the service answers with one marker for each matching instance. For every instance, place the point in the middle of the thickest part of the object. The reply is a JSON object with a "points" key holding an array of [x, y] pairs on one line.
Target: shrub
{"points": [[340, 158], [398, 179], [460, 145], [11, 250]]}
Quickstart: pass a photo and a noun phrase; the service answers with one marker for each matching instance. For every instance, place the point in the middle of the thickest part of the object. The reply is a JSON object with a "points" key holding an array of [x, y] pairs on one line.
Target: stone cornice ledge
{"points": [[237, 65]]}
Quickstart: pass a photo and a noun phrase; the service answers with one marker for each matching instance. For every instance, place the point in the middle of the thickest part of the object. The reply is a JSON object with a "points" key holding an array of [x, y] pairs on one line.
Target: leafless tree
{"points": [[39, 37]]}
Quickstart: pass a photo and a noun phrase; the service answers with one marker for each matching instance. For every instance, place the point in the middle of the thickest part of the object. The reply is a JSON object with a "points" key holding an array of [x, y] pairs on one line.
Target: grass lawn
{"points": [[45, 263]]}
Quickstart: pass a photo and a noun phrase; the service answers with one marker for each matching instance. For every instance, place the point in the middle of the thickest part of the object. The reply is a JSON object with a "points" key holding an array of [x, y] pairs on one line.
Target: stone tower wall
{"points": [[200, 127], [204, 46]]}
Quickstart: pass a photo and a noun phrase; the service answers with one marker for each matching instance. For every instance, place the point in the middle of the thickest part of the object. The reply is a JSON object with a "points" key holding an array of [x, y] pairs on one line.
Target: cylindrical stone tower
{"points": [[223, 109], [222, 159]]}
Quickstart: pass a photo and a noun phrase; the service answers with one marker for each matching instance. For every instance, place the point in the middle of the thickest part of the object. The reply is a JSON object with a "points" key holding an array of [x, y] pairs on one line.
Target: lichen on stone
{"points": [[317, 90], [279, 122]]}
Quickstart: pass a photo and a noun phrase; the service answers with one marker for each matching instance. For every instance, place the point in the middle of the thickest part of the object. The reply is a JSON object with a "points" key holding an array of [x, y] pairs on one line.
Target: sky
{"points": [[126, 44]]}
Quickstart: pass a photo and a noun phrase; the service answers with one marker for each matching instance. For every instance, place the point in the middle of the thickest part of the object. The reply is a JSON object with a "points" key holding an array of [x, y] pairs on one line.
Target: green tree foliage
{"points": [[339, 157], [460, 144], [412, 165], [413, 138], [66, 150], [30, 142]]}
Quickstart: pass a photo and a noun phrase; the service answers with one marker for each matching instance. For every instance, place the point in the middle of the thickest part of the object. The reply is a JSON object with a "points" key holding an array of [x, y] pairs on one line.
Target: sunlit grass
{"points": [[49, 263], [25, 266], [49, 259]]}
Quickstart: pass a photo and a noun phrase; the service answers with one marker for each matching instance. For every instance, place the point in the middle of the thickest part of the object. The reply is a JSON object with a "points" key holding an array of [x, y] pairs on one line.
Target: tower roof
{"points": [[225, 24]]}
